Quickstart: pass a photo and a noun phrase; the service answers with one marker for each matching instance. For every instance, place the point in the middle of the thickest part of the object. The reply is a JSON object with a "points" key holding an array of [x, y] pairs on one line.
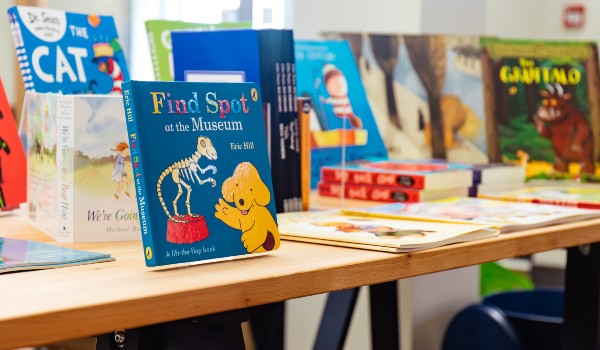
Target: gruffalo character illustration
{"points": [[567, 128]]}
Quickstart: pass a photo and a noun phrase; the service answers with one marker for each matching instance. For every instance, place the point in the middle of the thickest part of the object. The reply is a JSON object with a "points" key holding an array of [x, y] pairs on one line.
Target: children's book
{"points": [[542, 106], [80, 184], [13, 169], [565, 195], [425, 174], [426, 92], [65, 52], [399, 236], [200, 170], [340, 112], [161, 49], [508, 217], [494, 173], [20, 255], [265, 57]]}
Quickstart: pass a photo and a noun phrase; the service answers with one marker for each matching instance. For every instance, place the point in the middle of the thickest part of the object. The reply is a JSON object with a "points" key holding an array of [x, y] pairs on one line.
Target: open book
{"points": [[19, 254], [507, 216], [391, 235]]}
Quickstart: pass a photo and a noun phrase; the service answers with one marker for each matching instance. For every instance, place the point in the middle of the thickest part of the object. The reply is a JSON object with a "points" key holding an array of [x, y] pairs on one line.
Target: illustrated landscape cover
{"points": [[330, 227], [543, 106], [200, 169], [13, 168], [340, 113], [508, 217], [161, 49], [69, 53], [426, 92]]}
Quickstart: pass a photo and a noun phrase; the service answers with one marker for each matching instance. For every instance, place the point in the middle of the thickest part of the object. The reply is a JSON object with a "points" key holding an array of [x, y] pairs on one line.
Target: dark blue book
{"points": [[69, 53], [200, 169], [265, 57]]}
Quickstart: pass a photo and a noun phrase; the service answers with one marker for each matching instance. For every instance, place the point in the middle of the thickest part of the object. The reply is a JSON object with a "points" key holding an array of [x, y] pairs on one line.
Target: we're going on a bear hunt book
{"points": [[65, 52], [200, 170]]}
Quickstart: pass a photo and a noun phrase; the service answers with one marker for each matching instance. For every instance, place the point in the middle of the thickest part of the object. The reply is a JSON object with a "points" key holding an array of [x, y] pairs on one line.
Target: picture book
{"points": [[80, 183], [542, 106], [424, 174], [508, 217], [13, 169], [265, 57], [400, 236], [426, 92], [341, 115], [566, 195], [200, 170], [494, 173], [386, 193], [65, 52], [159, 39], [20, 255]]}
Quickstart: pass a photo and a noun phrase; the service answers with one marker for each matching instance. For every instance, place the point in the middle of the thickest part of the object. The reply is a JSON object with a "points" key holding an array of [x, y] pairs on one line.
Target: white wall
{"points": [[453, 17]]}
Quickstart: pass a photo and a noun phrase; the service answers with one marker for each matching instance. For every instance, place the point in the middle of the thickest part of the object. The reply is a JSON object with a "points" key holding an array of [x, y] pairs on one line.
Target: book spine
{"points": [[358, 177], [304, 122], [138, 173], [22, 57], [370, 193], [65, 145]]}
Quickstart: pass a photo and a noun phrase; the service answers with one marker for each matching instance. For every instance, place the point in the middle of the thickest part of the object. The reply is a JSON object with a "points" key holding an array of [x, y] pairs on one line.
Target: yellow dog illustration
{"points": [[250, 196]]}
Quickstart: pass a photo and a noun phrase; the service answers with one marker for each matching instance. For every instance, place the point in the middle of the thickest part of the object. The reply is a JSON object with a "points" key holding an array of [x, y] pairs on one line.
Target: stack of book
{"points": [[396, 180], [496, 177]]}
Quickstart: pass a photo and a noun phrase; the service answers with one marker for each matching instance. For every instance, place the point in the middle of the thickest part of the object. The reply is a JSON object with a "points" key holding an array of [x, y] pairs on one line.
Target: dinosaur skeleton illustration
{"points": [[184, 171]]}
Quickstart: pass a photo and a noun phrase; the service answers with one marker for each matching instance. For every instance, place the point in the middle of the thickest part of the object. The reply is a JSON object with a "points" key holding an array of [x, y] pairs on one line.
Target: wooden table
{"points": [[39, 307]]}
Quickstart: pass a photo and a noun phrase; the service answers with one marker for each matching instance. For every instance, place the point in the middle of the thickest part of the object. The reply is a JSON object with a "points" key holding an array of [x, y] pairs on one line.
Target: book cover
{"points": [[426, 92], [19, 255], [79, 189], [385, 193], [65, 52], [543, 111], [13, 169], [403, 235], [494, 173], [161, 49], [508, 217], [201, 170], [265, 57], [423, 174], [340, 112], [565, 195]]}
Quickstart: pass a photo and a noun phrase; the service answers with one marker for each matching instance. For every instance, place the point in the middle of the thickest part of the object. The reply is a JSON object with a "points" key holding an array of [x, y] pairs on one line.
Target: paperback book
{"points": [[564, 195], [398, 236], [68, 53], [200, 169], [13, 169], [508, 217], [21, 255]]}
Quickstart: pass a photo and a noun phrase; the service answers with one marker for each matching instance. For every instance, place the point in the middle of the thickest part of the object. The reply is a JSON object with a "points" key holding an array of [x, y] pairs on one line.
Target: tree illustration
{"points": [[385, 50]]}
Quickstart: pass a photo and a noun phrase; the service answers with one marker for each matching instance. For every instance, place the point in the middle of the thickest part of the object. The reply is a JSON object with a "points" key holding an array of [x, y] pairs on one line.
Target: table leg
{"points": [[384, 315], [582, 298], [336, 319], [266, 322]]}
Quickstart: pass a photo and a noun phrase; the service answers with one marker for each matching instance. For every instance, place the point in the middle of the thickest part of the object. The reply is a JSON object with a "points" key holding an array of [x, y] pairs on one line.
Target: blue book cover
{"points": [[69, 53], [327, 74], [200, 169]]}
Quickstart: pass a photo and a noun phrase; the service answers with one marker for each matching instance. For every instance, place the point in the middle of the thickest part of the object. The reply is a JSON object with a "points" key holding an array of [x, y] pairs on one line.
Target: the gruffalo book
{"points": [[200, 170], [542, 106]]}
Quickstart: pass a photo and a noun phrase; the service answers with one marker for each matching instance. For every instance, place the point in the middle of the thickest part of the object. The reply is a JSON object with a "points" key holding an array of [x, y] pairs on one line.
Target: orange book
{"points": [[304, 121]]}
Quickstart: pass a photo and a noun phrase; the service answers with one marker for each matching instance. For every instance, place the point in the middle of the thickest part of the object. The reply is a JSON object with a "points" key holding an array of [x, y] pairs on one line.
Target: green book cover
{"points": [[159, 39]]}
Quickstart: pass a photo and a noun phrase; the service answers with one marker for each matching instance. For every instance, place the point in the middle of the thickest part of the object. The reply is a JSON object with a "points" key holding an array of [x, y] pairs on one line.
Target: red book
{"points": [[386, 194], [13, 176], [427, 174]]}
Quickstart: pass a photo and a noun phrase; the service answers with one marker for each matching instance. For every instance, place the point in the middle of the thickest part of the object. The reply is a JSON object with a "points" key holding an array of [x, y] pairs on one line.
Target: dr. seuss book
{"points": [[543, 110], [583, 196], [392, 235], [159, 39], [69, 53], [508, 217], [79, 181], [265, 57], [201, 170], [424, 174], [13, 170], [426, 92], [341, 116]]}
